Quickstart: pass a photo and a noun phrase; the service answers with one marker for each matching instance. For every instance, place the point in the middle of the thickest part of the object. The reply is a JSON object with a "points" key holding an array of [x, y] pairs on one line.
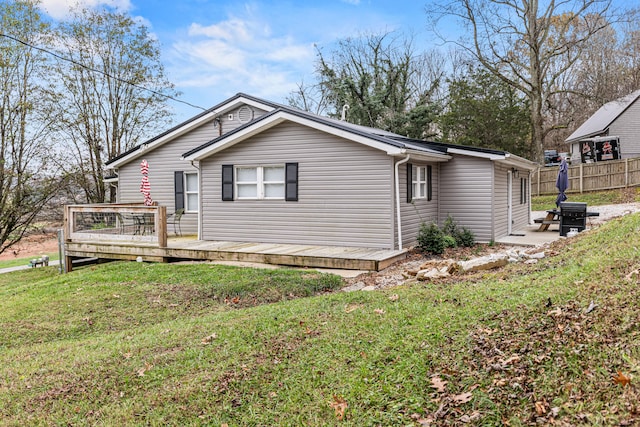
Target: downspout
{"points": [[398, 218], [199, 199]]}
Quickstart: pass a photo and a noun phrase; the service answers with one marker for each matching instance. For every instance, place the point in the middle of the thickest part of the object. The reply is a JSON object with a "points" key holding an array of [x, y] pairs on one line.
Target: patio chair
{"points": [[127, 223], [174, 219]]}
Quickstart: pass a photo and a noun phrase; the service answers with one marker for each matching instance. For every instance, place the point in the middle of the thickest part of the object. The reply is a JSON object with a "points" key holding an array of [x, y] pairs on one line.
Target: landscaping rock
{"points": [[432, 273], [484, 263], [539, 255]]}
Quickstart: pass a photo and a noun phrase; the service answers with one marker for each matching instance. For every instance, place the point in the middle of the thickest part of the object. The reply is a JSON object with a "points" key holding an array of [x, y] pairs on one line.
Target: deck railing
{"points": [[117, 222]]}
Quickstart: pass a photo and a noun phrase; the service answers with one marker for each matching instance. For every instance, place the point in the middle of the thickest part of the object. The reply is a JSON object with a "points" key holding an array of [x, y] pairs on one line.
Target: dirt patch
{"points": [[32, 246]]}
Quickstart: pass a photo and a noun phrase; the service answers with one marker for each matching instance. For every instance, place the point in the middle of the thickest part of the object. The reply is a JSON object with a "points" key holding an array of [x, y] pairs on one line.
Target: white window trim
{"points": [[188, 192], [421, 178], [260, 182]]}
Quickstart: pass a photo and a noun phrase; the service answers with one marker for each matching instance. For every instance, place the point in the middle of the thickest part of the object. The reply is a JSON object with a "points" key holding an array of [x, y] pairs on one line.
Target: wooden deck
{"points": [[188, 248]]}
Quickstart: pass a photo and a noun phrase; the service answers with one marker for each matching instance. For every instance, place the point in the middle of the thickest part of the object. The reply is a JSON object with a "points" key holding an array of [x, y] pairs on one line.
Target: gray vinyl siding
{"points": [[232, 120], [466, 185], [627, 127], [344, 192], [163, 162], [420, 210]]}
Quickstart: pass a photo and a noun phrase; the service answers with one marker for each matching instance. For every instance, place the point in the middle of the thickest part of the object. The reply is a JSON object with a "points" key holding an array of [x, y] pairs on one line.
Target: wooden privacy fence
{"points": [[586, 177]]}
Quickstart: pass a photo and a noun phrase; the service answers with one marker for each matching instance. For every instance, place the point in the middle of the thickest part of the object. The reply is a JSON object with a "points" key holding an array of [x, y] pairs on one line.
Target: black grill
{"points": [[572, 215]]}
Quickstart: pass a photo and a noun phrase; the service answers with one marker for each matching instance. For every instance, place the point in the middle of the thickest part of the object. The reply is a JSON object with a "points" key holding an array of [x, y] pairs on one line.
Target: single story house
{"points": [[617, 123], [250, 170]]}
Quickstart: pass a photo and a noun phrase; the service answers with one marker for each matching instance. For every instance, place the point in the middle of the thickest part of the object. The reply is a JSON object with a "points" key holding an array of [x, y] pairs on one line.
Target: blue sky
{"points": [[212, 50]]}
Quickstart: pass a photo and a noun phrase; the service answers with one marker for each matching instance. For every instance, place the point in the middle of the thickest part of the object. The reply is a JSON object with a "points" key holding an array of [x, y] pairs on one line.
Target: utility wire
{"points": [[48, 52]]}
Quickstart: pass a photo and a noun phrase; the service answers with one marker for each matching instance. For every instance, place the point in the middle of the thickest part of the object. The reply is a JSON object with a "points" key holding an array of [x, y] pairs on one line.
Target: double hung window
{"points": [[419, 182], [191, 191], [260, 182]]}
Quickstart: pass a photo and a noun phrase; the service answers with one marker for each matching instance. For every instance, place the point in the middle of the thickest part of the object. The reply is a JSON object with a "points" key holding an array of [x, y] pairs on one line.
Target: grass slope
{"points": [[153, 344]]}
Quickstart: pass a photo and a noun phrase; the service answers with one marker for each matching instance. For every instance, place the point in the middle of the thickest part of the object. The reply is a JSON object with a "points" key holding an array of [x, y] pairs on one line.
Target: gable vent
{"points": [[245, 114]]}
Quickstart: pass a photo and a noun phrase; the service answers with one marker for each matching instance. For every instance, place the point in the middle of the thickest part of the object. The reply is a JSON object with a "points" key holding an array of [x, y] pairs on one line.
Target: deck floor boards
{"points": [[355, 258]]}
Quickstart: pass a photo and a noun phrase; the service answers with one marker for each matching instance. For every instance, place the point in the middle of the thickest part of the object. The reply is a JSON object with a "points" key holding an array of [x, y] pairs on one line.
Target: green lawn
{"points": [[596, 198], [157, 344], [53, 256]]}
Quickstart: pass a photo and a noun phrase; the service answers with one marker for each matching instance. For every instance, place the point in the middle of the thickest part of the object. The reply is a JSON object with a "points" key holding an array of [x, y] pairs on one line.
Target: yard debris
{"points": [[438, 384], [339, 405], [209, 339], [621, 379], [591, 307]]}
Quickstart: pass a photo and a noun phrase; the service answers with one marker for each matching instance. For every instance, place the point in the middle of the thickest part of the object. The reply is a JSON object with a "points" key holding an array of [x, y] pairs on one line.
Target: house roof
{"points": [[193, 122], [393, 144], [600, 121], [375, 138]]}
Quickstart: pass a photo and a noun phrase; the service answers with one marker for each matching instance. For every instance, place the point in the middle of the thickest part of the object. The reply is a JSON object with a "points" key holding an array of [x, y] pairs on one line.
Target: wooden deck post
{"points": [[161, 226]]}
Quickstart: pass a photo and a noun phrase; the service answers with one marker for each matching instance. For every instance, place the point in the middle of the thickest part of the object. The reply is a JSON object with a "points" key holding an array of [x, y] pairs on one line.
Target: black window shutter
{"points": [[409, 182], [178, 186], [429, 187], [227, 183], [291, 182]]}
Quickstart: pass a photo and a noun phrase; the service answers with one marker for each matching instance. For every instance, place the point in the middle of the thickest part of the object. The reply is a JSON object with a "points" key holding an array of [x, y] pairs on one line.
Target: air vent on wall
{"points": [[245, 114]]}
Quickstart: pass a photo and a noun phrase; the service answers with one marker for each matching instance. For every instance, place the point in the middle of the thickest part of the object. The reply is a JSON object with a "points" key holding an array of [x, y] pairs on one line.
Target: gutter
{"points": [[399, 220]]}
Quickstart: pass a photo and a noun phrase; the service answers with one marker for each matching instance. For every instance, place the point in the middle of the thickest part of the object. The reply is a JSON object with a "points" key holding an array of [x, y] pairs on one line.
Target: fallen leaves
{"points": [[460, 399], [438, 384], [352, 307], [622, 379], [209, 339], [147, 367], [339, 405]]}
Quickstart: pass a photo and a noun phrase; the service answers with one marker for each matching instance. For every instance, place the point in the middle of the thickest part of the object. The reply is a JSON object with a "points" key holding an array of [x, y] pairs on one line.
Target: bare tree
{"points": [[528, 45], [24, 120], [111, 93], [381, 79]]}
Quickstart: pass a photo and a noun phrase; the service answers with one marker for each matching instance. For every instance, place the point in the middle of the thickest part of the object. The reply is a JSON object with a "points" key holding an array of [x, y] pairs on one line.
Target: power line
{"points": [[48, 52]]}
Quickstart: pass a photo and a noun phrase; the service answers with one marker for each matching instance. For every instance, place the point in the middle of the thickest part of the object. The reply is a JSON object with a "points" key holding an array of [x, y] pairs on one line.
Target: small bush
{"points": [[450, 228], [465, 238], [449, 241], [431, 239], [434, 240]]}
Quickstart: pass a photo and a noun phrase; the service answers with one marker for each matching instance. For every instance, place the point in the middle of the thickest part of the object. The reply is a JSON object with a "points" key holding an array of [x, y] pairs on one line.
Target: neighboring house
{"points": [[288, 176], [619, 118]]}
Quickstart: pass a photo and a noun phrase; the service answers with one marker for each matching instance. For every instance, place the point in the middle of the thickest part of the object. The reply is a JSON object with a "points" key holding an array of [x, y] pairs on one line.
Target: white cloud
{"points": [[59, 9], [238, 55]]}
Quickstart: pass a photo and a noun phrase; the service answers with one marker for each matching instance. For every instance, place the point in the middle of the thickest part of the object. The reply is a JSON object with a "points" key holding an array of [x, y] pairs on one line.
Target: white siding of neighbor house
{"points": [[627, 127], [420, 210], [344, 192], [164, 161], [466, 185]]}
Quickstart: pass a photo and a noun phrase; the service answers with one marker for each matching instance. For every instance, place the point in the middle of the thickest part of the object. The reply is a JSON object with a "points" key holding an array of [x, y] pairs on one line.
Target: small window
{"points": [[260, 182], [191, 191], [419, 182], [524, 193]]}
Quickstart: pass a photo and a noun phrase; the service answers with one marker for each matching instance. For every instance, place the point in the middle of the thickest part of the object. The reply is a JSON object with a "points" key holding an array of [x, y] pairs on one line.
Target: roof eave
{"points": [[388, 146]]}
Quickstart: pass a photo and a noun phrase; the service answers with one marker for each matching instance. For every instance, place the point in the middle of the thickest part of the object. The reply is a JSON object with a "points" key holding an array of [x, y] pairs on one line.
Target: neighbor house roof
{"points": [[602, 119], [186, 126]]}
